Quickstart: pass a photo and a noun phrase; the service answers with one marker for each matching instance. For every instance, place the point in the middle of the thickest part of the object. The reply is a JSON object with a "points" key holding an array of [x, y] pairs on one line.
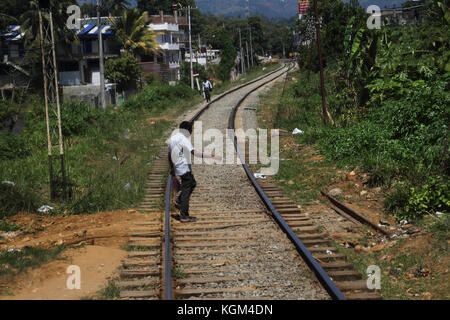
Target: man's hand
{"points": [[205, 155]]}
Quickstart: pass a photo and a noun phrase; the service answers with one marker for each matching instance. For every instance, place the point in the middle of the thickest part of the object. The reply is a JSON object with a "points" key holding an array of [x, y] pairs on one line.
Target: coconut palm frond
{"points": [[133, 33]]}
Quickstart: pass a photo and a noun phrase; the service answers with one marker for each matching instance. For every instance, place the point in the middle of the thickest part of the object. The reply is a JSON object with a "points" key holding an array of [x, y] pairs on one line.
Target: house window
{"points": [[14, 51], [87, 46]]}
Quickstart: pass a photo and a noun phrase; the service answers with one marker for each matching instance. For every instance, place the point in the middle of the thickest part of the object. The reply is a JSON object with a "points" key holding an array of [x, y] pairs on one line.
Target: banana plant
{"points": [[359, 59]]}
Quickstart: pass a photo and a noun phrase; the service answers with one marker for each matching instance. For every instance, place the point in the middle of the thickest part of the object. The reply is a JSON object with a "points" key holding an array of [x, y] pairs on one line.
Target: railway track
{"points": [[238, 247], [140, 277], [141, 273]]}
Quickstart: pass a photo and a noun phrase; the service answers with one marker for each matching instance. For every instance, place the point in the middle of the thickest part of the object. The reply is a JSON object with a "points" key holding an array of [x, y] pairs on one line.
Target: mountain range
{"points": [[268, 8], [271, 8]]}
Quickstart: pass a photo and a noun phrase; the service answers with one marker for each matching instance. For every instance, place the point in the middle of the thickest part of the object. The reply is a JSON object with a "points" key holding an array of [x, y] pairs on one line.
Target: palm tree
{"points": [[115, 7], [132, 32]]}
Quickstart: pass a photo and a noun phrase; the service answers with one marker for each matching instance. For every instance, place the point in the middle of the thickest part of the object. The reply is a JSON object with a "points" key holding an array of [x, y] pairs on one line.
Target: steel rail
{"points": [[312, 263], [352, 213], [167, 270]]}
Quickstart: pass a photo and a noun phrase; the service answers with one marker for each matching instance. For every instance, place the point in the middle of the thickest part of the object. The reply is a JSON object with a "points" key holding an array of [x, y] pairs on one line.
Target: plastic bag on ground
{"points": [[45, 209], [297, 131]]}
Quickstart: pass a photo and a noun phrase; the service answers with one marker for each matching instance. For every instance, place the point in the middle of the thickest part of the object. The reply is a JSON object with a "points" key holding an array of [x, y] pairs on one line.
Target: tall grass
{"points": [[402, 143], [95, 142]]}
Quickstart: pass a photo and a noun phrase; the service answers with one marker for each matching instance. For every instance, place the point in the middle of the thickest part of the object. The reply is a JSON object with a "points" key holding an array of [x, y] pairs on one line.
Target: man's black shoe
{"points": [[188, 219]]}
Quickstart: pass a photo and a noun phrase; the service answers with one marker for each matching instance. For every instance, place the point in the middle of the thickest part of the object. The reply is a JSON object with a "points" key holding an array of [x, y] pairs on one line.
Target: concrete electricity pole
{"points": [[102, 67], [248, 57], [251, 45], [190, 48], [241, 52]]}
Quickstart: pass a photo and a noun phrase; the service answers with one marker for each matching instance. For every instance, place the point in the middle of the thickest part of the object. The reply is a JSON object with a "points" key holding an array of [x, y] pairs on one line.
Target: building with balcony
{"points": [[78, 64], [171, 37]]}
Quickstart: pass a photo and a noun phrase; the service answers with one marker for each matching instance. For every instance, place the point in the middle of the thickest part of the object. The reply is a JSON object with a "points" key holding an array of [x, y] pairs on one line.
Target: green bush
{"points": [[13, 146], [158, 96], [77, 117], [407, 202], [124, 71], [13, 199], [429, 198], [397, 200], [186, 72]]}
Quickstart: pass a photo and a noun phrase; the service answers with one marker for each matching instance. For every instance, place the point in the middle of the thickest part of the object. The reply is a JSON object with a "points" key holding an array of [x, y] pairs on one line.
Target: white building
{"points": [[171, 37]]}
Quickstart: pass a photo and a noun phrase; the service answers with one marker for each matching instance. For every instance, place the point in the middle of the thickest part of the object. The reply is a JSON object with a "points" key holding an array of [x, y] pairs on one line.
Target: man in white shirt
{"points": [[180, 150], [207, 87]]}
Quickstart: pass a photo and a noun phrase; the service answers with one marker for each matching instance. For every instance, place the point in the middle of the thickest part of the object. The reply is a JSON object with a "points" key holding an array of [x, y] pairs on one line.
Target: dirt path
{"points": [[96, 263], [104, 235]]}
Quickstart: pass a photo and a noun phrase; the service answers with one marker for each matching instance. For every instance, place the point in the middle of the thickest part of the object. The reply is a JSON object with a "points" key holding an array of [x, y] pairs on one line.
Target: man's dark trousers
{"points": [[188, 184]]}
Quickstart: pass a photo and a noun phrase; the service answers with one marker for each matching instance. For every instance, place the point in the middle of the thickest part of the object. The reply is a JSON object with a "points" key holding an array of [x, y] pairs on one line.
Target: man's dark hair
{"points": [[186, 125]]}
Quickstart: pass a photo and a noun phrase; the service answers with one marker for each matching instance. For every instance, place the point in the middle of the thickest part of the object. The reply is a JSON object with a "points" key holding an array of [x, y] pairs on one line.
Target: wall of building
{"points": [[88, 93]]}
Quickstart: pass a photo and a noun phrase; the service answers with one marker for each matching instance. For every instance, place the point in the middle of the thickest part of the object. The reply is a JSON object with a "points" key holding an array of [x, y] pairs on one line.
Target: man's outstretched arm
{"points": [[205, 155]]}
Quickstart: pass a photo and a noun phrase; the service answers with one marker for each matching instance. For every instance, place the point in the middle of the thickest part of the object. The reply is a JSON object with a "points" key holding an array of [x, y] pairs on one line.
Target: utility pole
{"points": [[190, 48], [248, 57], [251, 44], [325, 113], [102, 67], [199, 46], [51, 96], [241, 52]]}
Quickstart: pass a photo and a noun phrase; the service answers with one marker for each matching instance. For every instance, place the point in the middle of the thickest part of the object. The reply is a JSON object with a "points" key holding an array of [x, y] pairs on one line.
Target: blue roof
{"points": [[13, 34], [91, 30]]}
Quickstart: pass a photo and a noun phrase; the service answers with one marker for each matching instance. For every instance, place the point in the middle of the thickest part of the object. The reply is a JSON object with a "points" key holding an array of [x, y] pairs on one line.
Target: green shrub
{"points": [[77, 116], [124, 71], [158, 96], [13, 146], [397, 200], [149, 78], [407, 202], [13, 199], [185, 70], [429, 198]]}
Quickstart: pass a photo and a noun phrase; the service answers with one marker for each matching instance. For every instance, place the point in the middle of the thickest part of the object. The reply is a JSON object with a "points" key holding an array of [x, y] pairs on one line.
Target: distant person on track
{"points": [[207, 88], [180, 150]]}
